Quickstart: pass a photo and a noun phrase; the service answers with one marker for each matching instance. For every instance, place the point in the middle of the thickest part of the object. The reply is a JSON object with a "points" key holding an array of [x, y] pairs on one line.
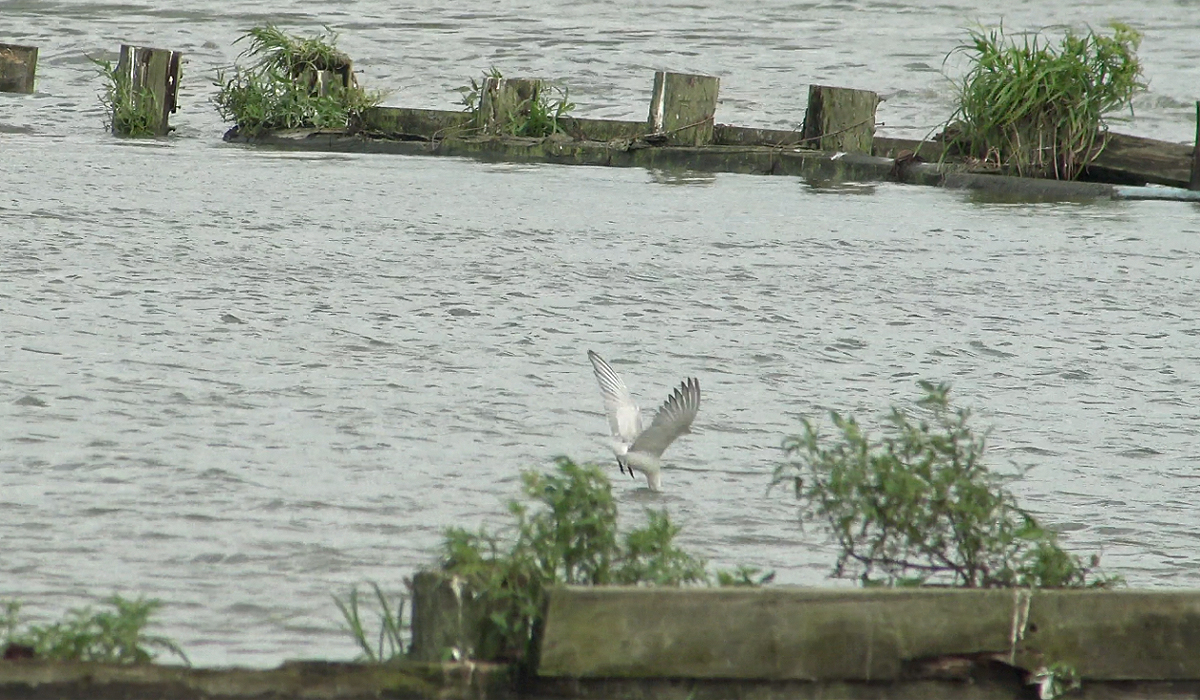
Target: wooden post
{"points": [[840, 119], [148, 75], [447, 617], [18, 64], [330, 79], [505, 100], [682, 108], [1194, 180]]}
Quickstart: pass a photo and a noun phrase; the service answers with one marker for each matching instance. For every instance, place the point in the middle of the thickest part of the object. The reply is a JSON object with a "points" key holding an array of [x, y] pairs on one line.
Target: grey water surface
{"points": [[241, 381]]}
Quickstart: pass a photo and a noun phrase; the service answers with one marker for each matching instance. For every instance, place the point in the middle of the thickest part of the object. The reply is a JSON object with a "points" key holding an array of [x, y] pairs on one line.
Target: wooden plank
{"points": [[18, 68], [430, 124], [840, 119], [886, 147], [603, 129], [1135, 160], [727, 135], [414, 124], [683, 107]]}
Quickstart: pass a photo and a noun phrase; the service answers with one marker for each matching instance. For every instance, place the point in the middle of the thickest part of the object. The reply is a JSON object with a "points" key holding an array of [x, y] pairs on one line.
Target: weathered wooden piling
{"points": [[505, 101], [331, 78], [682, 108], [446, 618], [18, 67], [840, 119], [147, 85], [1194, 180]]}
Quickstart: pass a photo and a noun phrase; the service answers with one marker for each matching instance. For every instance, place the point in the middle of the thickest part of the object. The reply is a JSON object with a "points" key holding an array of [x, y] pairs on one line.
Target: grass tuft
{"points": [[1038, 109], [128, 111], [538, 116], [283, 86], [389, 642]]}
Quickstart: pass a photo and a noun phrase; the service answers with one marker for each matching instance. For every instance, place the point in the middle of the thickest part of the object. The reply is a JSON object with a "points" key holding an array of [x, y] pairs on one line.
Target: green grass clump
{"points": [[1039, 109], [279, 89], [537, 116], [918, 506], [571, 537], [128, 111], [115, 637], [389, 642]]}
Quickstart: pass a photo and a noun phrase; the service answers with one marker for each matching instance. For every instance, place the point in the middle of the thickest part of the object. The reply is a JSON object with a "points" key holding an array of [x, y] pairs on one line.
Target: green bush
{"points": [[1037, 109], [116, 637], [571, 538], [279, 90], [918, 506]]}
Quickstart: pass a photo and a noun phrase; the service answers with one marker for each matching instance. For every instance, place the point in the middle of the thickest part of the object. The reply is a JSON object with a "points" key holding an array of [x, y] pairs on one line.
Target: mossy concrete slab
{"points": [[314, 680], [796, 634], [767, 633], [1116, 635]]}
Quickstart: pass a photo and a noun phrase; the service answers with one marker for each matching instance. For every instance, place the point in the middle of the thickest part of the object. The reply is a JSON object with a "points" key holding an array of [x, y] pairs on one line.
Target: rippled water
{"points": [[240, 380]]}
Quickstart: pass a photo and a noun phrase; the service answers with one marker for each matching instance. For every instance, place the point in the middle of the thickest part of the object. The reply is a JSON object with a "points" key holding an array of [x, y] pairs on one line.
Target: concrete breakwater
{"points": [[617, 642]]}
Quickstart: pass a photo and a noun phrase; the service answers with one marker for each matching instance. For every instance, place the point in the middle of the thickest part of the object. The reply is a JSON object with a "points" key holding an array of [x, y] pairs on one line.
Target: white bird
{"points": [[637, 447]]}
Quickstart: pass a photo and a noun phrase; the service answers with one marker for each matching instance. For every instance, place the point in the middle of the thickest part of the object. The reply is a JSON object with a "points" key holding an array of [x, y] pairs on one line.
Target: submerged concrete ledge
{"points": [[615, 143], [816, 166]]}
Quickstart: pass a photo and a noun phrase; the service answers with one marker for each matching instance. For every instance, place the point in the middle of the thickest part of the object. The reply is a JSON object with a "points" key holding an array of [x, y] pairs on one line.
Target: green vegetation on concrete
{"points": [[389, 642], [283, 88], [1037, 109], [128, 112], [472, 95], [115, 637], [536, 116], [919, 506], [571, 538], [1056, 680]]}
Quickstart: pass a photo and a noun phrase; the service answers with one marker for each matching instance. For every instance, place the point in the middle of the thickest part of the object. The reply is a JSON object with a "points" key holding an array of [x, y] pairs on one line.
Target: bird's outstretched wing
{"points": [[624, 416], [672, 420]]}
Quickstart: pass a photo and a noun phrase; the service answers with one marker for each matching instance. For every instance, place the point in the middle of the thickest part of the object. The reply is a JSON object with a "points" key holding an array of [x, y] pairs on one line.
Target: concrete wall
{"points": [[789, 634], [749, 644]]}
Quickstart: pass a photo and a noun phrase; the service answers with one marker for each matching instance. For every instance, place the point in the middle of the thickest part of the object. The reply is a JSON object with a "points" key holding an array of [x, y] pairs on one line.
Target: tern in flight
{"points": [[636, 447]]}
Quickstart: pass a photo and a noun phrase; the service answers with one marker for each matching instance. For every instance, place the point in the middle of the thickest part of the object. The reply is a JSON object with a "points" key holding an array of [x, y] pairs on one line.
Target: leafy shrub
{"points": [[280, 90], [1039, 109], [571, 538], [919, 506], [116, 637]]}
